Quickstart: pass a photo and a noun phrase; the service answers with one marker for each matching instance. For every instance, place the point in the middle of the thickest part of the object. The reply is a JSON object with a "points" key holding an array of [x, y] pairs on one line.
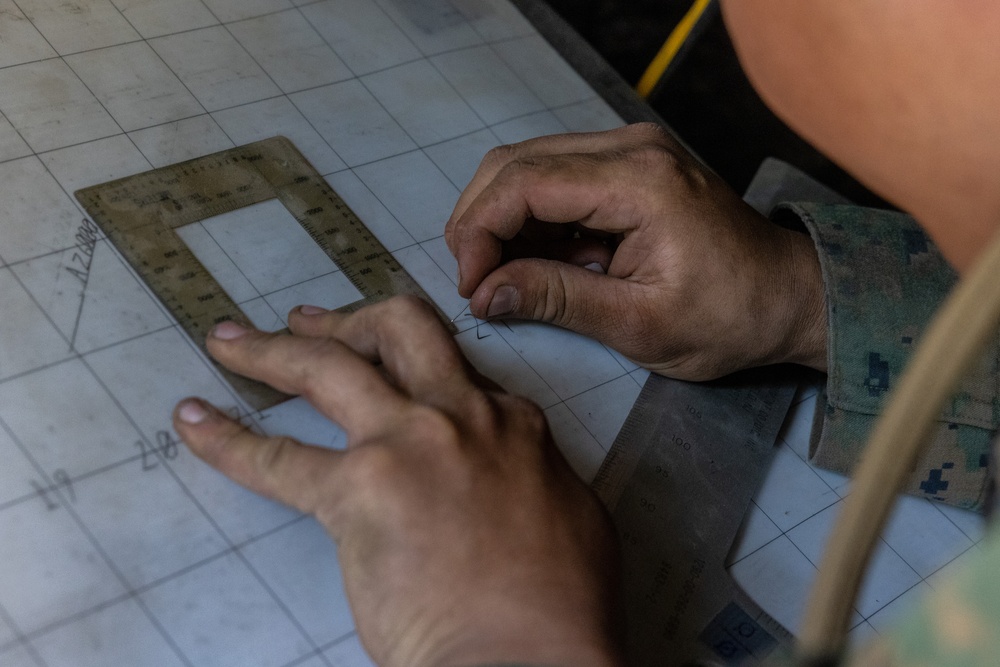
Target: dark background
{"points": [[705, 97]]}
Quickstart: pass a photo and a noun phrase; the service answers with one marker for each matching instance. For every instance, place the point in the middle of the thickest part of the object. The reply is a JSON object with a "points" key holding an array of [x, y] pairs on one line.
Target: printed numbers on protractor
{"points": [[141, 215]]}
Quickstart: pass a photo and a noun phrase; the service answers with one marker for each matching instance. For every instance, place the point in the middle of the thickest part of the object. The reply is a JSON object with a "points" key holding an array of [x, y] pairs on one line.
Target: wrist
{"points": [[527, 637], [529, 648], [801, 310]]}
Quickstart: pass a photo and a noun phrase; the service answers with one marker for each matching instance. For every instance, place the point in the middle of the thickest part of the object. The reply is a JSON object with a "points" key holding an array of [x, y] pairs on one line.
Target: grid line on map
{"points": [[166, 464], [235, 547]]}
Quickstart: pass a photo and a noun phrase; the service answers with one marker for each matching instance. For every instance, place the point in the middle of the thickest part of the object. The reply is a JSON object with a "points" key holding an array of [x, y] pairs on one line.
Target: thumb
{"points": [[566, 295]]}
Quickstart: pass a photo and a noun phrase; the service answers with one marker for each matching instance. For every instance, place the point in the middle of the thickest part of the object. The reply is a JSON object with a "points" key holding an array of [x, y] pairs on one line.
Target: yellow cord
{"points": [[670, 48], [955, 339]]}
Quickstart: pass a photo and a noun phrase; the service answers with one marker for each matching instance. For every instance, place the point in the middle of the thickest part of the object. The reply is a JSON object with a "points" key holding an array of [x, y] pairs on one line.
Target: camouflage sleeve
{"points": [[884, 279]]}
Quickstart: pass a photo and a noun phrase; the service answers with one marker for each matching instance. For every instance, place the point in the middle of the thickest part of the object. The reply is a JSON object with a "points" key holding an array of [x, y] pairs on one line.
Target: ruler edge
{"points": [[82, 195], [280, 138], [609, 481]]}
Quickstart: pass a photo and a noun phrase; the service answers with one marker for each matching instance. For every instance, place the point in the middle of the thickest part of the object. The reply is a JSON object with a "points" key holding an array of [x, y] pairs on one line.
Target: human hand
{"points": [[463, 535], [690, 281]]}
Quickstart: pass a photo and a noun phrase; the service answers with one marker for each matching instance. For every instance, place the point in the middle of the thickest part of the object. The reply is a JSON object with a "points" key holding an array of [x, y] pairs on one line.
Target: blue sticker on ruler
{"points": [[735, 636]]}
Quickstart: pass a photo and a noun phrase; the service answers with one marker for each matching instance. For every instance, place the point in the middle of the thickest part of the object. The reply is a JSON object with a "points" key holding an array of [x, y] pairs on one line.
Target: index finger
{"points": [[555, 144], [559, 188], [333, 378]]}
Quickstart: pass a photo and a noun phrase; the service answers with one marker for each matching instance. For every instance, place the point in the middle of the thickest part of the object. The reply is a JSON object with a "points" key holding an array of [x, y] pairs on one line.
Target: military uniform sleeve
{"points": [[884, 279]]}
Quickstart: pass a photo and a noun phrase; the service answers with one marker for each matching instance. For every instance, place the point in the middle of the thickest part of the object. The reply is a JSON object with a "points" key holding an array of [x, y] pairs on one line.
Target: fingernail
{"points": [[228, 330], [595, 267], [312, 310], [192, 411], [504, 300]]}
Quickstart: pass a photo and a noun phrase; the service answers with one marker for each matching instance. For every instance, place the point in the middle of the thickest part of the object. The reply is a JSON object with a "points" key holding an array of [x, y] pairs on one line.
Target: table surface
{"points": [[116, 548]]}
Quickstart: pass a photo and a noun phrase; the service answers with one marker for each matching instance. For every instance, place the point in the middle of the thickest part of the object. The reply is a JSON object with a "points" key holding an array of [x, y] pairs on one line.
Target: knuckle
{"points": [[370, 483], [482, 412], [654, 158], [370, 469], [432, 426], [496, 158], [519, 172], [272, 454], [380, 480], [450, 369], [499, 412], [393, 320], [214, 450], [553, 306], [449, 231], [310, 368], [655, 134], [524, 430], [410, 317], [223, 447], [530, 414], [405, 308], [647, 130], [668, 163], [449, 437]]}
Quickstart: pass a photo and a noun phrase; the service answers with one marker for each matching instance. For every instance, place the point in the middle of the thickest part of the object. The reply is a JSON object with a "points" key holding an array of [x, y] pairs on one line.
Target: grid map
{"points": [[119, 547]]}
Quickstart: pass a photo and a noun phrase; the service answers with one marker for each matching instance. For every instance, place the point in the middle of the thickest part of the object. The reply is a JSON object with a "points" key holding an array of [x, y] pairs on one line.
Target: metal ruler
{"points": [[141, 213], [678, 481]]}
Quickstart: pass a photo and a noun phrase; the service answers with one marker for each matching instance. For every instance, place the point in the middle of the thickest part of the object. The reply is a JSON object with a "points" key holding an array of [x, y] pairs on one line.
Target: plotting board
{"points": [[142, 214], [119, 548]]}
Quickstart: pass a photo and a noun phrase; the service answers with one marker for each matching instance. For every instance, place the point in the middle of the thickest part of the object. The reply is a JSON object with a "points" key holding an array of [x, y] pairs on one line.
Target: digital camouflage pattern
{"points": [[884, 280]]}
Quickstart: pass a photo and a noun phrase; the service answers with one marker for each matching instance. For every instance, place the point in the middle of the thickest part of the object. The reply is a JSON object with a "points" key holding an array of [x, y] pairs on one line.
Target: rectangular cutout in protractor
{"points": [[246, 213], [267, 263]]}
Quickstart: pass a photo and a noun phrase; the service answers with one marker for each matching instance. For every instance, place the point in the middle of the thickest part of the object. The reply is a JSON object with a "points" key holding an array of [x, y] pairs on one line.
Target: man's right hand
{"points": [[685, 278]]}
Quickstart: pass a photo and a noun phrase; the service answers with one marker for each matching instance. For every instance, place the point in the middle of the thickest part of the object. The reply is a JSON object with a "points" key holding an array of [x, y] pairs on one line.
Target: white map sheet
{"points": [[117, 547]]}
